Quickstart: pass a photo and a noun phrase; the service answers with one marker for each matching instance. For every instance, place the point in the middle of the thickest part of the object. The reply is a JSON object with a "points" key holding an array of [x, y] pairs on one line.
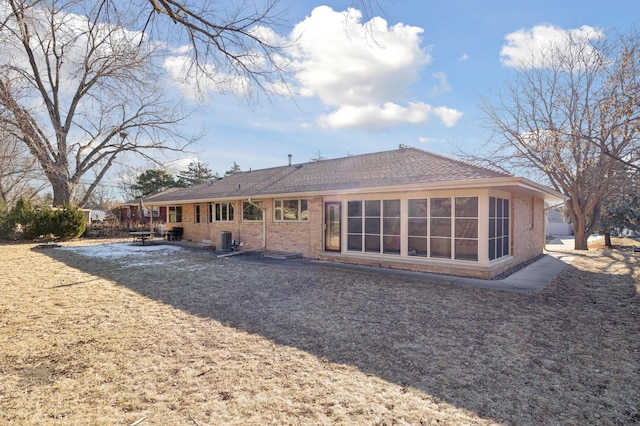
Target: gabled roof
{"points": [[398, 168]]}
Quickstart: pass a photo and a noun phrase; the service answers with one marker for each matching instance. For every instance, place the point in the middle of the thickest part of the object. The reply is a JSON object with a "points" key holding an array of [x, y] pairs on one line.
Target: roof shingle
{"points": [[403, 166]]}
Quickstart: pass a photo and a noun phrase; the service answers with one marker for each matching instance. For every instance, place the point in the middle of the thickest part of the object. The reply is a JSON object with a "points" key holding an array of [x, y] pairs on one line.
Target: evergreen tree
{"points": [[153, 181], [196, 173]]}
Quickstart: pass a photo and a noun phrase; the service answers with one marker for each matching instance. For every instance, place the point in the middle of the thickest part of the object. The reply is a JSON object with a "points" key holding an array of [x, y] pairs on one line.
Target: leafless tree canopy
{"points": [[571, 116], [79, 91], [20, 176]]}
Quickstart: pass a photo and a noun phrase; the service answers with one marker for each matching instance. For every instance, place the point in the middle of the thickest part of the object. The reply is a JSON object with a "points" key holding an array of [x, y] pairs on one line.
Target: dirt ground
{"points": [[182, 338]]}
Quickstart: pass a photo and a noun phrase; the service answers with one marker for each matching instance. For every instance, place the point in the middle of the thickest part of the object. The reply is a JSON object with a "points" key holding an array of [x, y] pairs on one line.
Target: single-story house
{"points": [[405, 208]]}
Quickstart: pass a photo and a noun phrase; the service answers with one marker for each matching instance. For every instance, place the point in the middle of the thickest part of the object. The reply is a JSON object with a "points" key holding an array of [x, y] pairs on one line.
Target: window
{"points": [[175, 214], [252, 211], [373, 226], [197, 213], [223, 212], [440, 227], [466, 224], [498, 227], [291, 210], [417, 223]]}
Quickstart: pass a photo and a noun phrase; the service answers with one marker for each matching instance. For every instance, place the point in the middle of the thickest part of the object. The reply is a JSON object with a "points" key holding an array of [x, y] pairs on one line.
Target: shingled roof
{"points": [[401, 167]]}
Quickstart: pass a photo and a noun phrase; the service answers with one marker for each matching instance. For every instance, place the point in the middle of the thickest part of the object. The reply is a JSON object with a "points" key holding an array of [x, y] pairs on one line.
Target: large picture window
{"points": [[175, 214], [498, 227], [418, 229], [373, 226], [291, 210], [440, 227], [252, 211]]}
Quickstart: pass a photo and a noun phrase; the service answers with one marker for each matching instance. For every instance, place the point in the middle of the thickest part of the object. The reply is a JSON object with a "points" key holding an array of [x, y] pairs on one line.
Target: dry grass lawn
{"points": [[203, 341]]}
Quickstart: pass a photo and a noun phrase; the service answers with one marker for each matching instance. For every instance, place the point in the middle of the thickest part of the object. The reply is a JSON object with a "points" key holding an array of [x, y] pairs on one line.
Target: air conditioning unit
{"points": [[224, 241]]}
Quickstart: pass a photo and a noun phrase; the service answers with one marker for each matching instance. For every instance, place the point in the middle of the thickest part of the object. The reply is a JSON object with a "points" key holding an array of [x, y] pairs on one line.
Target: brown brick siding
{"points": [[306, 237]]}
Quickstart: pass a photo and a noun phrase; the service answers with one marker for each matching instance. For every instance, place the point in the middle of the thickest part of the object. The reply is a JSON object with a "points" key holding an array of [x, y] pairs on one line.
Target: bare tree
{"points": [[20, 176], [567, 119], [79, 92]]}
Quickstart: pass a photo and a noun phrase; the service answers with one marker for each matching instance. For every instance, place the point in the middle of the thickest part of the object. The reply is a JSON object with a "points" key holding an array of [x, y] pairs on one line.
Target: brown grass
{"points": [[202, 341]]}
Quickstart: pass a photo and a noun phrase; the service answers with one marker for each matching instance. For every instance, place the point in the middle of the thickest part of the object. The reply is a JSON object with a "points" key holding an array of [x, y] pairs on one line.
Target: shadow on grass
{"points": [[567, 354]]}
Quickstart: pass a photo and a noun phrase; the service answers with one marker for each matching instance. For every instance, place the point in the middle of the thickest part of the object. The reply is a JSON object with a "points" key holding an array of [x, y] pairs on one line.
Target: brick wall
{"points": [[527, 239], [300, 237]]}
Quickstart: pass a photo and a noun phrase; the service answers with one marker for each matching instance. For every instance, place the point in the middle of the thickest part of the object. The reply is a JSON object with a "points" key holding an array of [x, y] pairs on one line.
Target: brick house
{"points": [[405, 208]]}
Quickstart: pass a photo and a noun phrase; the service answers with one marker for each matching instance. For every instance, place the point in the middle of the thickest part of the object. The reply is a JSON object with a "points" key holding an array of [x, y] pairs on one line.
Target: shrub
{"points": [[65, 223], [69, 222]]}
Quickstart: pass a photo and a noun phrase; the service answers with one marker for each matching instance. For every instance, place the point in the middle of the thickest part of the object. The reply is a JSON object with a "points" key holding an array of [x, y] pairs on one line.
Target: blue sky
{"points": [[416, 79]]}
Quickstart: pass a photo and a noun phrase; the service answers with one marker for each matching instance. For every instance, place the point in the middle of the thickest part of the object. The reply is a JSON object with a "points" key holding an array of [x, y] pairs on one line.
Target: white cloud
{"points": [[195, 83], [463, 57], [531, 47], [363, 70], [374, 116], [443, 85]]}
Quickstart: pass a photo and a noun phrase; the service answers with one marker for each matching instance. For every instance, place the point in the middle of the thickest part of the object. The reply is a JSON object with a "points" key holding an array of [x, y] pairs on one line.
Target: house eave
{"points": [[518, 184]]}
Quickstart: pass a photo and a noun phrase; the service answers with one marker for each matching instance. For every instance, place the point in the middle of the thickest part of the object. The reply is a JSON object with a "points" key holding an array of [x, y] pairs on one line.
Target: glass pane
{"points": [[466, 206], [492, 207], [492, 228], [499, 224], [391, 244], [498, 247], [499, 208], [354, 225], [230, 211], [225, 211], [250, 211], [290, 209], [418, 208], [441, 227], [441, 247], [505, 246], [417, 247], [304, 210], [218, 212], [354, 208], [372, 225], [441, 207], [505, 227], [391, 226], [372, 208], [391, 208], [418, 227], [506, 208], [467, 249], [492, 248], [354, 242], [278, 210], [466, 228], [372, 243]]}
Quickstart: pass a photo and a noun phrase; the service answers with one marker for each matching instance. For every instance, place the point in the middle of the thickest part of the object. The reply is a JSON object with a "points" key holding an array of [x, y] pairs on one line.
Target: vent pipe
{"points": [[290, 159]]}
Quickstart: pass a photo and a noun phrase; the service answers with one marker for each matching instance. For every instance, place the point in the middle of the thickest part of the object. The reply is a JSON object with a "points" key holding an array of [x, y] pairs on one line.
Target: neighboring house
{"points": [[130, 214], [406, 208], [556, 223]]}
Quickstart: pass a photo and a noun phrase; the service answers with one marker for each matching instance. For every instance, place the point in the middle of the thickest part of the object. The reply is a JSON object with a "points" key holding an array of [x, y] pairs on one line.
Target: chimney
{"points": [[290, 159]]}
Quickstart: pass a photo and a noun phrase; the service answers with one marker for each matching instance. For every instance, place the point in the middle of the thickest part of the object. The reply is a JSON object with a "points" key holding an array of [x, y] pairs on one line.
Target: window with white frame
{"points": [[291, 210], [252, 211], [373, 226], [466, 228], [498, 227], [197, 216], [175, 214], [224, 212]]}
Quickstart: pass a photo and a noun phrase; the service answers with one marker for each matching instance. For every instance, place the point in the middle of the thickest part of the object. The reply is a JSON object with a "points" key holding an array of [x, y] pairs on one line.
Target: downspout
{"points": [[264, 224]]}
